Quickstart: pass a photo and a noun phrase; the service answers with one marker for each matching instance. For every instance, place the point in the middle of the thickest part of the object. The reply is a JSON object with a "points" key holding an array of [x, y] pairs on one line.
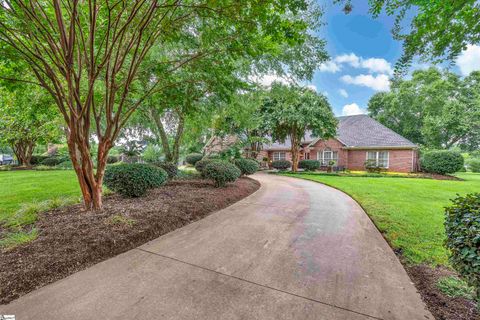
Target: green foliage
{"points": [[170, 168], [188, 175], [65, 165], [441, 161], [200, 165], [309, 165], [474, 164], [152, 154], [53, 161], [37, 159], [462, 225], [118, 219], [17, 238], [193, 158], [281, 164], [231, 153], [112, 159], [455, 288], [247, 166], [437, 109], [221, 172], [372, 166], [133, 180]]}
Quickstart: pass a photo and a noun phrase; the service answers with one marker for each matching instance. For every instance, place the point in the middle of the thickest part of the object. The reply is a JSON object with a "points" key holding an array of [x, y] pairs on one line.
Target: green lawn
{"points": [[20, 187], [409, 211]]}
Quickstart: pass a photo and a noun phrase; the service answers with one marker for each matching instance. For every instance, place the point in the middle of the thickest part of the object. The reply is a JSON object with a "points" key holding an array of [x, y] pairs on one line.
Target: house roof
{"points": [[356, 132]]}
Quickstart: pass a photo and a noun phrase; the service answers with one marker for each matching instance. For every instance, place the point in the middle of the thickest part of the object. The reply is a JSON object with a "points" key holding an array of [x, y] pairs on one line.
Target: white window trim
{"points": [[377, 154], [279, 157], [321, 156]]}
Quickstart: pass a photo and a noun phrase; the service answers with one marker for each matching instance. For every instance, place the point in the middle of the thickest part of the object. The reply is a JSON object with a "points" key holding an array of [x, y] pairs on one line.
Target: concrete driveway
{"points": [[295, 249]]}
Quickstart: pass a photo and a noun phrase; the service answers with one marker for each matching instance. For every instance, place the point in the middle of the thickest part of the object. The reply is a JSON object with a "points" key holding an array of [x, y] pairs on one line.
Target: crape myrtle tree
{"points": [[88, 53], [436, 109], [289, 111]]}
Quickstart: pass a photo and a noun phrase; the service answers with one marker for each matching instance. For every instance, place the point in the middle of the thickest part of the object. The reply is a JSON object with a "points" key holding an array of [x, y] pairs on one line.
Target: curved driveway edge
{"points": [[295, 249]]}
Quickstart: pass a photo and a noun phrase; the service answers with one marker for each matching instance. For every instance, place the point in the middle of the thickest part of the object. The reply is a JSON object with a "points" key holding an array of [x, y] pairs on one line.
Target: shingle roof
{"points": [[357, 131]]}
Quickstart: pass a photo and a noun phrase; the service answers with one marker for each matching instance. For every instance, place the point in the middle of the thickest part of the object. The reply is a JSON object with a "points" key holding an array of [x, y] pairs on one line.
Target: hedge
{"points": [[133, 179], [221, 172], [193, 158], [309, 165], [247, 166], [442, 162], [281, 164]]}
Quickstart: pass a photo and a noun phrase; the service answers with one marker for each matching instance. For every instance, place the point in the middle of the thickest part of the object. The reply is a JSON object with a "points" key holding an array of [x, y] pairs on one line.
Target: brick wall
{"points": [[333, 145], [399, 160]]}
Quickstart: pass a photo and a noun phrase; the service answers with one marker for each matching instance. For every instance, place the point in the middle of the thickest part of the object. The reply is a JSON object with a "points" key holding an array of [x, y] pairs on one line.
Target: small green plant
{"points": [[193, 158], [112, 159], [462, 225], [372, 167], [442, 161], [221, 172], [134, 179], [118, 219], [14, 239], [200, 165], [281, 164], [309, 165], [247, 166], [455, 288]]}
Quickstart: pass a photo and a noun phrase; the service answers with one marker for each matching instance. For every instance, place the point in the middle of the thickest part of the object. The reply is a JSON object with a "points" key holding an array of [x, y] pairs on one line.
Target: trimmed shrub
{"points": [[37, 159], [247, 166], [442, 161], [309, 165], [133, 179], [112, 159], [200, 165], [281, 164], [170, 168], [474, 165], [193, 158], [462, 225], [53, 161], [221, 172]]}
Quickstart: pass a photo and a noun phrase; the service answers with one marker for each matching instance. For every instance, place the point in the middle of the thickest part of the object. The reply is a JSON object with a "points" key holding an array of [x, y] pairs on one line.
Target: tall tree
{"points": [[87, 54], [435, 109], [289, 111]]}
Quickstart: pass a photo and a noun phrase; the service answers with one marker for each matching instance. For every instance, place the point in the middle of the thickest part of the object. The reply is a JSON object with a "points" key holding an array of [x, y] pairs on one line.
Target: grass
{"points": [[408, 211], [13, 239], [21, 187], [455, 288]]}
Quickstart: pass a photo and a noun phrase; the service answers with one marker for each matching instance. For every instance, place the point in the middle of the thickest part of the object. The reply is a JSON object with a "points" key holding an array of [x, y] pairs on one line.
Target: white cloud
{"points": [[352, 109], [329, 66], [377, 65], [378, 83], [350, 59], [268, 79], [343, 93], [311, 87], [469, 60]]}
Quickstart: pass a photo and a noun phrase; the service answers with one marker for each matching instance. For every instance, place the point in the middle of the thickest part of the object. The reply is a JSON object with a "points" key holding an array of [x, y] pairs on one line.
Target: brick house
{"points": [[359, 138]]}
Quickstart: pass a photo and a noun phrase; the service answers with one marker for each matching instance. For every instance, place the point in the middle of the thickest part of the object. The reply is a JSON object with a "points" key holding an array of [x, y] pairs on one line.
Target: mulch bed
{"points": [[440, 305], [71, 239]]}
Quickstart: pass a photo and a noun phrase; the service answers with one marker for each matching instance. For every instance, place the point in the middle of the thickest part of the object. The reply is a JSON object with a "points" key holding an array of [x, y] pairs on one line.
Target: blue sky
{"points": [[363, 53]]}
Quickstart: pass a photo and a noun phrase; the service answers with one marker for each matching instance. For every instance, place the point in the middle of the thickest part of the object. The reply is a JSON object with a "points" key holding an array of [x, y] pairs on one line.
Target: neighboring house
{"points": [[6, 159], [359, 138]]}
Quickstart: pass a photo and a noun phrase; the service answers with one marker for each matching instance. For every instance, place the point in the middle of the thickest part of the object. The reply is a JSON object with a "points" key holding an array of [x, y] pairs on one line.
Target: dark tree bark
{"points": [[23, 150]]}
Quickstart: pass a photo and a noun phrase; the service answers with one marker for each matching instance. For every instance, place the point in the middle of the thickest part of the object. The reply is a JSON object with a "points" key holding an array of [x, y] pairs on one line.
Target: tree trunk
{"points": [[171, 154], [23, 150], [294, 151], [178, 139]]}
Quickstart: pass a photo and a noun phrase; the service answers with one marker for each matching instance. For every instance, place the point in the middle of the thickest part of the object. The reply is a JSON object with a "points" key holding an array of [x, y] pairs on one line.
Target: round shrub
{"points": [[221, 172], [133, 179], [169, 167], [281, 164], [247, 166], [36, 160], [309, 165], [462, 226], [474, 165], [53, 161], [193, 158], [112, 159], [442, 161], [200, 165]]}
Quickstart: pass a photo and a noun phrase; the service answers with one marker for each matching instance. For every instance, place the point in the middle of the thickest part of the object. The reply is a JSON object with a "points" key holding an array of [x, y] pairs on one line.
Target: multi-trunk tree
{"points": [[88, 53], [289, 111]]}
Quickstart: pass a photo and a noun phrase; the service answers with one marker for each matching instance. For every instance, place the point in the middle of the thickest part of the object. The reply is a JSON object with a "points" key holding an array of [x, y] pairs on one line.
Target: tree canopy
{"points": [[436, 109]]}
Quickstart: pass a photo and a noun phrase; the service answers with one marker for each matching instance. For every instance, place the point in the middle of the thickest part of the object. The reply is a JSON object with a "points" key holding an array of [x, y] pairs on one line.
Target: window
{"points": [[326, 156], [380, 158], [278, 156]]}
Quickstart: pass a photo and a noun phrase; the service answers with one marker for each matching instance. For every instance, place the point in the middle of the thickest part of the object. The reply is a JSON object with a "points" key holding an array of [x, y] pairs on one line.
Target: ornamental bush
{"points": [[442, 161], [247, 166], [474, 165], [309, 165], [133, 179], [53, 161], [221, 172], [462, 225], [281, 164], [112, 159], [169, 167], [37, 159], [193, 158], [200, 165]]}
